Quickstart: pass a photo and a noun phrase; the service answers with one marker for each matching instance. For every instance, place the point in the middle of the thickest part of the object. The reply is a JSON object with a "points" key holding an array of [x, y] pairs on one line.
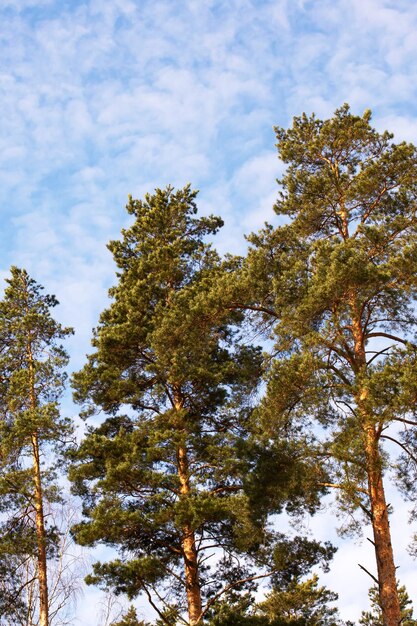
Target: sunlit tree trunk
{"points": [[189, 549], [388, 591], [39, 513]]}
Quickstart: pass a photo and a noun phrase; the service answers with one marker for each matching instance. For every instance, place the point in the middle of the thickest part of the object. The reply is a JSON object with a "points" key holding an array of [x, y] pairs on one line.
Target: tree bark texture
{"points": [[388, 590], [40, 537], [39, 513], [189, 550]]}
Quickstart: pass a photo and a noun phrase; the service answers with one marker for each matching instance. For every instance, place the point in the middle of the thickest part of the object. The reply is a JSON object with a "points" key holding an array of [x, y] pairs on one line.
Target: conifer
{"points": [[31, 382], [162, 476], [338, 277]]}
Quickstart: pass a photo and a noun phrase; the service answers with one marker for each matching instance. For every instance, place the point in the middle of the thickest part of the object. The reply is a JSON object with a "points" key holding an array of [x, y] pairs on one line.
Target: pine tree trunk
{"points": [[388, 591], [38, 498], [189, 549], [40, 536]]}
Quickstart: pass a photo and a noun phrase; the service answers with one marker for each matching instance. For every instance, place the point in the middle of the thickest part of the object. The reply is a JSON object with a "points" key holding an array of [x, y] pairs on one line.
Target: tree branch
{"points": [[227, 588], [404, 421], [369, 574], [336, 486], [401, 446], [377, 354], [154, 606], [389, 336], [258, 309]]}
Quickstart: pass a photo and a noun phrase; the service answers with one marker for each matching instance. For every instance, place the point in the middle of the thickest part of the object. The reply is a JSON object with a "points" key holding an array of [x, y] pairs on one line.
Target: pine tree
{"points": [[374, 616], [130, 619], [294, 598], [339, 280], [173, 474], [31, 381], [162, 476], [295, 595], [301, 602]]}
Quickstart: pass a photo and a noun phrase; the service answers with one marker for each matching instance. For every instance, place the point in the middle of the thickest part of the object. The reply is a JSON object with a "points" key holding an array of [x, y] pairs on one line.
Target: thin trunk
{"points": [[388, 591], [39, 514], [40, 536], [189, 549]]}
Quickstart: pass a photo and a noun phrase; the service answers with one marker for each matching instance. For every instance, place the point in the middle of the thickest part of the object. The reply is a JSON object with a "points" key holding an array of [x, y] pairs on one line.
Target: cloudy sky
{"points": [[102, 98]]}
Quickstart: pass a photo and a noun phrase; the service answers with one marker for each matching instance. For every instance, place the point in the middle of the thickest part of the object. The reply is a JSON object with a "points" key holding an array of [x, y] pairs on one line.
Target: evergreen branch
{"points": [[225, 488], [390, 239], [204, 466], [228, 587], [146, 407], [374, 204], [343, 487]]}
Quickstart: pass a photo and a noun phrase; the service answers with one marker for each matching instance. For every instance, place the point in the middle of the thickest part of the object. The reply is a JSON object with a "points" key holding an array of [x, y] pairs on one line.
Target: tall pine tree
{"points": [[31, 381], [167, 477], [339, 280], [161, 477]]}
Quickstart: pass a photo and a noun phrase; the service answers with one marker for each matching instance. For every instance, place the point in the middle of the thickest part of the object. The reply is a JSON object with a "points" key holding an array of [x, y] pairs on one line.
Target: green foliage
{"points": [[171, 374], [337, 286], [301, 603], [349, 252], [31, 382], [12, 605], [374, 616], [174, 377], [293, 599], [130, 619]]}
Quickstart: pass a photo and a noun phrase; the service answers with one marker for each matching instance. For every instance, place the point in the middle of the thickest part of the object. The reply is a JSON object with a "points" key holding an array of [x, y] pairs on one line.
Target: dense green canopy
{"points": [[338, 283]]}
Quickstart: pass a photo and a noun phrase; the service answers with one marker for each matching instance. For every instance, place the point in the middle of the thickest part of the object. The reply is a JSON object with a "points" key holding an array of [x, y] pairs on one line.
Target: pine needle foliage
{"points": [[374, 616], [32, 362], [130, 619], [162, 476], [337, 283]]}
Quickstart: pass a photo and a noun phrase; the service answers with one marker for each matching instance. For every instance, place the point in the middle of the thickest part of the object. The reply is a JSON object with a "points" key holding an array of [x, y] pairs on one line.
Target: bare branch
{"points": [[401, 446], [377, 354], [369, 574], [405, 421], [389, 336], [154, 606], [258, 309]]}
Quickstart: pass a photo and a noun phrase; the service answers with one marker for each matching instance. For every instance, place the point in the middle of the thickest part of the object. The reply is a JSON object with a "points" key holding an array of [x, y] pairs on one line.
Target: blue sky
{"points": [[102, 98]]}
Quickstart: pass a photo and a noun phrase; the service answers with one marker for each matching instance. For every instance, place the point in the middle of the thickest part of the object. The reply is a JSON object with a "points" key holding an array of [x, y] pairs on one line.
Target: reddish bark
{"points": [[189, 549]]}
